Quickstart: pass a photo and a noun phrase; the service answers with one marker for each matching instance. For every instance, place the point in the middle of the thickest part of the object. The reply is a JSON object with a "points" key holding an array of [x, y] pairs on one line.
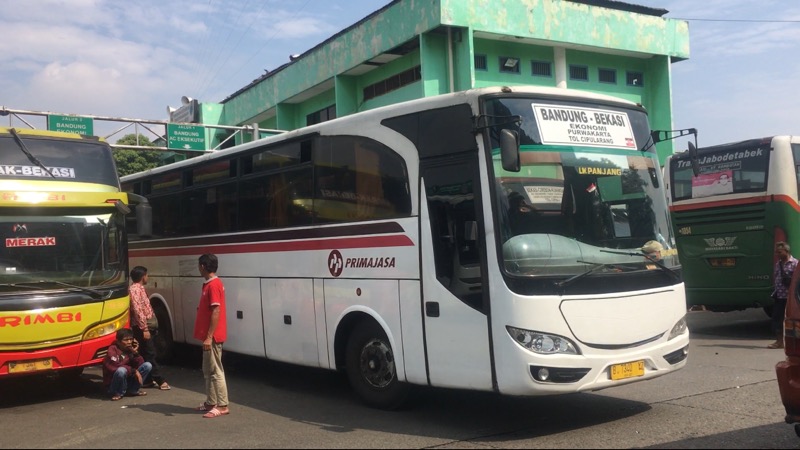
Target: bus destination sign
{"points": [[589, 127]]}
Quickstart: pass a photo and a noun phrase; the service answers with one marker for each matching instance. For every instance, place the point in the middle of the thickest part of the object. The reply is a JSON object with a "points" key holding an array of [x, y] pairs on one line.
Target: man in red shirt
{"points": [[210, 326]]}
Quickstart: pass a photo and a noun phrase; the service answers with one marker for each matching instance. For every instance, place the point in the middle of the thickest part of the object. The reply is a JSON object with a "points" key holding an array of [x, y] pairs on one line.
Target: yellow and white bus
{"points": [[63, 258], [385, 244]]}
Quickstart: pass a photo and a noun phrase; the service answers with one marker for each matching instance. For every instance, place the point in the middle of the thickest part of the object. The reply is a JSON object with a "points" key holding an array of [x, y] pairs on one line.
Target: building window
{"points": [[579, 73], [607, 76], [635, 79], [323, 115], [393, 82], [509, 64], [480, 62], [541, 69]]}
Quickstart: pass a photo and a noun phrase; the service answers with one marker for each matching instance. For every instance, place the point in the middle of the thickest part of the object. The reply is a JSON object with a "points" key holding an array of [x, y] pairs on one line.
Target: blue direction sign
{"points": [[186, 137], [71, 124]]}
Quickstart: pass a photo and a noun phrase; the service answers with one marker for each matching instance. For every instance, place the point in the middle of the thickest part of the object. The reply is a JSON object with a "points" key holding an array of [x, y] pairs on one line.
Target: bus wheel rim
{"points": [[377, 364]]}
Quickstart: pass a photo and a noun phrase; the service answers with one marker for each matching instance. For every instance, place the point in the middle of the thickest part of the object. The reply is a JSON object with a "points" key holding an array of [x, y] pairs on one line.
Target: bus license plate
{"points": [[30, 366], [627, 370]]}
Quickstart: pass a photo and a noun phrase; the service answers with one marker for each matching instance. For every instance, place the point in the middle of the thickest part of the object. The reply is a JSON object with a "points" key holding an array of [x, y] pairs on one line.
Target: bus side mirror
{"points": [[693, 159], [509, 150], [144, 220], [144, 215]]}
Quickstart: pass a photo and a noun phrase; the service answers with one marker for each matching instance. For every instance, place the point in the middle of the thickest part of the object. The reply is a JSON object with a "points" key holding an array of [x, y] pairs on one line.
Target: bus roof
{"points": [[393, 110], [727, 146]]}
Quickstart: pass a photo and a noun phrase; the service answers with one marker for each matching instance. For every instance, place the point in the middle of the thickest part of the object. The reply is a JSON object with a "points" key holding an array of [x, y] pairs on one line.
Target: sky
{"points": [[134, 59]]}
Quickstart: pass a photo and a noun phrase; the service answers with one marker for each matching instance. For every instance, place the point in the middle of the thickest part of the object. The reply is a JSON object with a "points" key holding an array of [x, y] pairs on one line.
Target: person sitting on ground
{"points": [[124, 369]]}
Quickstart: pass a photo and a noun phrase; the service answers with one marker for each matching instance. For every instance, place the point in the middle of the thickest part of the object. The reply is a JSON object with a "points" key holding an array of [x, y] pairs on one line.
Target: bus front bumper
{"points": [[729, 299], [80, 354]]}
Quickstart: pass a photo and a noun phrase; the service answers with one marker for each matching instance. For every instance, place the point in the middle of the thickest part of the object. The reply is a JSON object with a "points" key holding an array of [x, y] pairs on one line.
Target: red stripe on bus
{"points": [[742, 201], [266, 247]]}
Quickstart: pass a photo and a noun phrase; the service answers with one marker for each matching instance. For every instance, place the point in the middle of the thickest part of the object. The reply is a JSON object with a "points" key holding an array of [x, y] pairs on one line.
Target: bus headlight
{"points": [[543, 343], [106, 328], [678, 329]]}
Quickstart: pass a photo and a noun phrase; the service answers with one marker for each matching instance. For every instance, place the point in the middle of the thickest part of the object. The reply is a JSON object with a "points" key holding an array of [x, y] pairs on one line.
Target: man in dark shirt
{"points": [[784, 268], [124, 368]]}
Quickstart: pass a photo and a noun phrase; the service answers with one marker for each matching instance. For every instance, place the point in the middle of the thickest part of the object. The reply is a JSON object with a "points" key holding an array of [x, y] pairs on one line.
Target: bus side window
{"points": [[358, 179]]}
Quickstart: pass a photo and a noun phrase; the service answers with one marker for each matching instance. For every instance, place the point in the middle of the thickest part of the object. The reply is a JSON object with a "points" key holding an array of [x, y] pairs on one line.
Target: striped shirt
{"points": [[787, 268], [140, 306]]}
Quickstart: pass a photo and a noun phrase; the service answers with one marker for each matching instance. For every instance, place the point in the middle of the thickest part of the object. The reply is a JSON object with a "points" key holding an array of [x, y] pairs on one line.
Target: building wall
{"points": [[445, 36]]}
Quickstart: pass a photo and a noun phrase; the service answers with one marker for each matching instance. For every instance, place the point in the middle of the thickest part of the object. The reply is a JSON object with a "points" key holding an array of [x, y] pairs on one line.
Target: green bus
{"points": [[728, 216]]}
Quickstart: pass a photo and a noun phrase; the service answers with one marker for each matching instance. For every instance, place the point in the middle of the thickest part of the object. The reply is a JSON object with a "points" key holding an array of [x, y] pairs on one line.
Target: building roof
{"points": [[610, 4]]}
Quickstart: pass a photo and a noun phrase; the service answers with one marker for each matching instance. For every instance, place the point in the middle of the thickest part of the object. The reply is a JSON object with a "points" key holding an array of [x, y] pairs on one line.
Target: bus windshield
{"points": [[728, 169], [80, 250], [576, 206], [64, 159]]}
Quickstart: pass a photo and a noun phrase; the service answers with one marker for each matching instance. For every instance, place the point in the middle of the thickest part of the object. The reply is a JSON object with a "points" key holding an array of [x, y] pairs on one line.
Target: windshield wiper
{"points": [[597, 266], [15, 285], [95, 294], [24, 149], [655, 261]]}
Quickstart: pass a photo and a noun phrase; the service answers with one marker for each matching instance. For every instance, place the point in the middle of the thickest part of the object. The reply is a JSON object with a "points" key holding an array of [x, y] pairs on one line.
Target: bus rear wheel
{"points": [[371, 368], [163, 337]]}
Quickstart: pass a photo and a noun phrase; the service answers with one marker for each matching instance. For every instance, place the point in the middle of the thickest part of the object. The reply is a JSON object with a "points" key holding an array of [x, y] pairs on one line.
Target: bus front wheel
{"points": [[371, 368]]}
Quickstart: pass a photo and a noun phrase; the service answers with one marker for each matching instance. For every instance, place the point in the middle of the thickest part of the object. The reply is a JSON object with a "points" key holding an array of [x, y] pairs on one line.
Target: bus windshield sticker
{"points": [[33, 171], [707, 184], [585, 170], [31, 242], [589, 127], [545, 194], [719, 162]]}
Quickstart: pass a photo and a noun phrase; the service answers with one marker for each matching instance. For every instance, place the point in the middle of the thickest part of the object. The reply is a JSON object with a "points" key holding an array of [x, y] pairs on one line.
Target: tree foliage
{"points": [[135, 160]]}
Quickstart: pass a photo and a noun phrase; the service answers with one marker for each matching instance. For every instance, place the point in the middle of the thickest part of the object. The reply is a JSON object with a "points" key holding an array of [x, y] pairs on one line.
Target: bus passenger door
{"points": [[452, 243]]}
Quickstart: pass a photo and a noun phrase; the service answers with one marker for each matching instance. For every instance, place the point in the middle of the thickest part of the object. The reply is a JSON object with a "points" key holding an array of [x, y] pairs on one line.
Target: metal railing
{"points": [[152, 127]]}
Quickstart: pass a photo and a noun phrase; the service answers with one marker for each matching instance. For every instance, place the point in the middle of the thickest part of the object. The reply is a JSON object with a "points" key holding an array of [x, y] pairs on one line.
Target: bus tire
{"points": [[163, 337], [371, 369]]}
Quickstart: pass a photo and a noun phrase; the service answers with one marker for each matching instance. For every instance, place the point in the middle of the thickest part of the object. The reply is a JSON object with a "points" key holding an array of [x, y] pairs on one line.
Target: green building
{"points": [[411, 49]]}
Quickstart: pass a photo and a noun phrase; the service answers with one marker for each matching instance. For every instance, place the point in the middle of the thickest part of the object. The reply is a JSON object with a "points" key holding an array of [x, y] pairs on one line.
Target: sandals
{"points": [[164, 386], [775, 345], [214, 412], [205, 407], [116, 397]]}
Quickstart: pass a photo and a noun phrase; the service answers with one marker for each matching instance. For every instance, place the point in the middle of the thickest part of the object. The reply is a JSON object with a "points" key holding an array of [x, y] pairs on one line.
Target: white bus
{"points": [[487, 240]]}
